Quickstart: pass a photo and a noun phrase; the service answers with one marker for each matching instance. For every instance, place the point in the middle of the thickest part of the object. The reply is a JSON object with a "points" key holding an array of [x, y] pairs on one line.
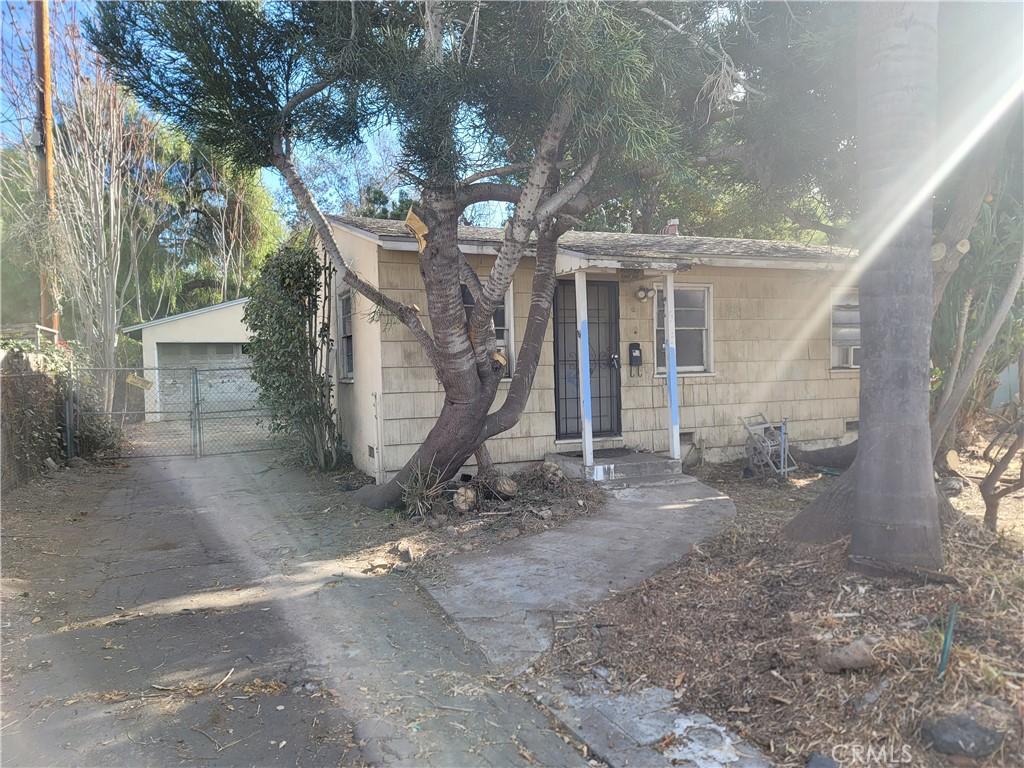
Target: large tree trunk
{"points": [[448, 445], [469, 386], [463, 429], [895, 520]]}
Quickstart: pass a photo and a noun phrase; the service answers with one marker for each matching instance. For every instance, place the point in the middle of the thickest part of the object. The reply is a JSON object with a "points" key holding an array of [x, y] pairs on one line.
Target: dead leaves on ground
{"points": [[740, 629]]}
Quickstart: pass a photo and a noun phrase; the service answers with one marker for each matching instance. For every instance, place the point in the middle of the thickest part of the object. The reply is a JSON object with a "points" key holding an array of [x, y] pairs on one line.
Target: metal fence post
{"points": [[69, 414], [197, 417]]}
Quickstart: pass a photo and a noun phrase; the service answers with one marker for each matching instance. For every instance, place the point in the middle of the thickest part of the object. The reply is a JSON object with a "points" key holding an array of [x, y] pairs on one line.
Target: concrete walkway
{"points": [[129, 593], [507, 599]]}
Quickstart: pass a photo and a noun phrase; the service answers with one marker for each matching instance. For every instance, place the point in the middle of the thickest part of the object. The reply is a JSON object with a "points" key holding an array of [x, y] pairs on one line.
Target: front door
{"points": [[603, 322]]}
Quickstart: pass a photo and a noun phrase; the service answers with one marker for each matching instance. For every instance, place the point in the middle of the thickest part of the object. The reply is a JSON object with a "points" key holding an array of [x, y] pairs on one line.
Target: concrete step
{"points": [[649, 481], [620, 466]]}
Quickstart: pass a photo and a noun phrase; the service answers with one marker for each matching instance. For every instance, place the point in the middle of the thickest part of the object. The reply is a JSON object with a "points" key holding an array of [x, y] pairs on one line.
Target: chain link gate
{"points": [[164, 412], [229, 416]]}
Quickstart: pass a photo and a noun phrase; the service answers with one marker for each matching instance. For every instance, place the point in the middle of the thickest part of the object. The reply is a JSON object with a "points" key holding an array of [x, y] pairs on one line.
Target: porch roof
{"points": [[626, 250]]}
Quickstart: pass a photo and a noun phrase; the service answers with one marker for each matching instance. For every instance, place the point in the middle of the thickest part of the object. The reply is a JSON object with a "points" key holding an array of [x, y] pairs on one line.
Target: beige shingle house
{"points": [[760, 326]]}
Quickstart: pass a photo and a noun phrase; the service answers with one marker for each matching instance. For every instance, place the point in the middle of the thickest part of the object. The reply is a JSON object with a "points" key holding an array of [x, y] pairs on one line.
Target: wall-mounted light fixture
{"points": [[643, 293]]}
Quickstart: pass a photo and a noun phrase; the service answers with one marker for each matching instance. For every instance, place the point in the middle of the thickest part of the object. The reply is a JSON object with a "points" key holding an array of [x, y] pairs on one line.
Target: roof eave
{"points": [[182, 315], [570, 260], [396, 243]]}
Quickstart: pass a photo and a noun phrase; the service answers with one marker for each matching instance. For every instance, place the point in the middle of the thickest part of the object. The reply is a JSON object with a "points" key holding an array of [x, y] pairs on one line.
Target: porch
{"points": [[588, 362]]}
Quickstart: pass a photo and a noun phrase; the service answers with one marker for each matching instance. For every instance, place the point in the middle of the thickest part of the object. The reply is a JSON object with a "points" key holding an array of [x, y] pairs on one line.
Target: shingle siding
{"points": [[757, 315], [765, 359]]}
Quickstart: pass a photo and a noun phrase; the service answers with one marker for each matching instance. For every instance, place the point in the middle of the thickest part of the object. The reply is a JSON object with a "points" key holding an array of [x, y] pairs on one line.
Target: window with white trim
{"points": [[346, 359], [845, 330], [693, 329], [503, 326]]}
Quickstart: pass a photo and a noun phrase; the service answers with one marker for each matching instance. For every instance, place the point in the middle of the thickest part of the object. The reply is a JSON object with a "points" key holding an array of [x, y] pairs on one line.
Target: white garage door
{"points": [[224, 380]]}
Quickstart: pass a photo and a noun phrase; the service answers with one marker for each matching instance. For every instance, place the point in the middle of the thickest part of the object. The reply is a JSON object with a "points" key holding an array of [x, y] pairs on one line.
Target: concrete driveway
{"points": [[217, 612]]}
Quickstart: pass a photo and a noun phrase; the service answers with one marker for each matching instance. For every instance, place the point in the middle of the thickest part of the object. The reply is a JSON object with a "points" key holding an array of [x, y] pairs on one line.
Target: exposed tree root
{"points": [[830, 516], [840, 456]]}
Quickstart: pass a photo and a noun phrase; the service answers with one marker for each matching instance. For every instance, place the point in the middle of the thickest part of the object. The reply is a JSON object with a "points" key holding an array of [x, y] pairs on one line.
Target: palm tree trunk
{"points": [[896, 521]]}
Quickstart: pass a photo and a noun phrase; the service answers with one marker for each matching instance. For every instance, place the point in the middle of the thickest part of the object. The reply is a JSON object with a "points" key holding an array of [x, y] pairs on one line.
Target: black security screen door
{"points": [[603, 321]]}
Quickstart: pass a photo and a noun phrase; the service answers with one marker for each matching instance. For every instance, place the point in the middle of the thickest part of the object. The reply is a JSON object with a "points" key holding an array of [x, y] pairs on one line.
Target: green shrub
{"points": [[34, 407], [289, 316], [30, 417]]}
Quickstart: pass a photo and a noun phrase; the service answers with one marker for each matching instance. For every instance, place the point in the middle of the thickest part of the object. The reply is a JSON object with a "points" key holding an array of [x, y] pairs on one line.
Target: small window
{"points": [[845, 329], [224, 350], [246, 349], [502, 325], [345, 345], [693, 337], [853, 426]]}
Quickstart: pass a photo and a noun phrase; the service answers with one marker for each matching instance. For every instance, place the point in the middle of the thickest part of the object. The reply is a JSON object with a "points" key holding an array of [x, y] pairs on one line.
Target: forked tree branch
{"points": [[488, 190], [504, 170], [543, 290], [406, 314], [304, 95], [524, 219], [563, 196]]}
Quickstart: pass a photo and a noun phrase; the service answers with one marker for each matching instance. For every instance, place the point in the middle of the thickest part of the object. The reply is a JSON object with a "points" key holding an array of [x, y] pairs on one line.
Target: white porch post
{"points": [[671, 376], [583, 365]]}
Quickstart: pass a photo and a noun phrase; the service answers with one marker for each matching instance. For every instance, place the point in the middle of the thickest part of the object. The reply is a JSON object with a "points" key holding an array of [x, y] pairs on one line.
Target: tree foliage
{"points": [[788, 137], [971, 301], [288, 315], [378, 205], [147, 224], [225, 225], [547, 106]]}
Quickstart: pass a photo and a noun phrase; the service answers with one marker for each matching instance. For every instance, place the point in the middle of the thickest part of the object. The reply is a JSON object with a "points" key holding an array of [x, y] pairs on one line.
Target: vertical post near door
{"points": [[583, 365], [671, 375]]}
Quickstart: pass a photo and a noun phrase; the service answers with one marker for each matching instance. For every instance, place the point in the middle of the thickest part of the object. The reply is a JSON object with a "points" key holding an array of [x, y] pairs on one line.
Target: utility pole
{"points": [[48, 315]]}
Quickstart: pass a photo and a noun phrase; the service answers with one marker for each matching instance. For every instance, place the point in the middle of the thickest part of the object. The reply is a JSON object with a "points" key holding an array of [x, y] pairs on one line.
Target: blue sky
{"points": [[17, 31]]}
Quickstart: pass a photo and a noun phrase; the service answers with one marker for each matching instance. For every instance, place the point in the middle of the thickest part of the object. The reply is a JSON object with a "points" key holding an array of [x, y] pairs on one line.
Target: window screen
{"points": [[692, 339]]}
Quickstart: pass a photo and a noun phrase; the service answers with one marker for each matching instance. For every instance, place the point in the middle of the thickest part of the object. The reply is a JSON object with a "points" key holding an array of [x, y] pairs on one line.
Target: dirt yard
{"points": [[737, 631], [392, 542]]}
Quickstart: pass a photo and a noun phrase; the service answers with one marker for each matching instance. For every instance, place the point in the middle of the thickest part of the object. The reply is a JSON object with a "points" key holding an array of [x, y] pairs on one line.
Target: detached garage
{"points": [[211, 340]]}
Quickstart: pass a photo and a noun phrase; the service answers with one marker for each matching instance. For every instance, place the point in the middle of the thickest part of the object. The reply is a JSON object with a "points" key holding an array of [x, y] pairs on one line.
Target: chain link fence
{"points": [[166, 411], [231, 419]]}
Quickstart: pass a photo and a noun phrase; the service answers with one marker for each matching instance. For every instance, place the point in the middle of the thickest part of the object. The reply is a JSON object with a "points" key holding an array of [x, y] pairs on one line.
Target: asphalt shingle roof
{"points": [[632, 247]]}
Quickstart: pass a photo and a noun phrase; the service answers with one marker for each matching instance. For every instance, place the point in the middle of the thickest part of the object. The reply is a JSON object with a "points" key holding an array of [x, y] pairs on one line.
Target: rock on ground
{"points": [[960, 734]]}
